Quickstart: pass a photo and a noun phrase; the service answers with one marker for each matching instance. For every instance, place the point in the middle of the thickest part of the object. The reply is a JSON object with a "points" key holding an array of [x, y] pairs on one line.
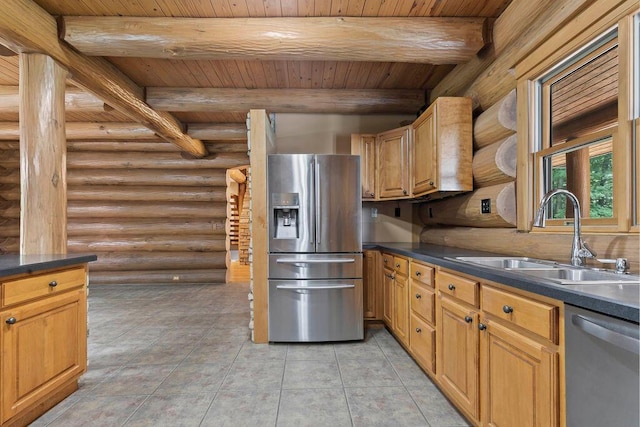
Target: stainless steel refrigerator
{"points": [[315, 248]]}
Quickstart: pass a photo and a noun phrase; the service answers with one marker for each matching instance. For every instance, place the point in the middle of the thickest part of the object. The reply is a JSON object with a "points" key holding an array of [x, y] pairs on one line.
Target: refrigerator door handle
{"points": [[315, 288], [318, 213], [311, 207], [315, 261]]}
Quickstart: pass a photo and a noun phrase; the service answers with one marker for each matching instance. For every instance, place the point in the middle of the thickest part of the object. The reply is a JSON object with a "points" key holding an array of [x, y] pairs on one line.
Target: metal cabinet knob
{"points": [[418, 330], [451, 287], [373, 195], [418, 296], [482, 326], [397, 265], [418, 274], [507, 309], [431, 183], [11, 321], [53, 283], [404, 192], [468, 319]]}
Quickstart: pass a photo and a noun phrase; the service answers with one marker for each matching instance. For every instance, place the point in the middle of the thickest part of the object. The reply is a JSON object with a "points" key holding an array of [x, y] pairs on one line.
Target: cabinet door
{"points": [[422, 343], [393, 163], [401, 308], [424, 177], [457, 353], [365, 147], [372, 297], [387, 297], [520, 379], [43, 346]]}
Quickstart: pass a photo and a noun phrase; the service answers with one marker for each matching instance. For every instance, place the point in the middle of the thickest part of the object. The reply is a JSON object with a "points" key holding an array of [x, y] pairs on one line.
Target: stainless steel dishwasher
{"points": [[601, 370]]}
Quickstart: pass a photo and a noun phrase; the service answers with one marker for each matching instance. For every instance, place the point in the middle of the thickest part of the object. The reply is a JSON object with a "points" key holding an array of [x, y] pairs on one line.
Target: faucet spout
{"points": [[579, 248]]}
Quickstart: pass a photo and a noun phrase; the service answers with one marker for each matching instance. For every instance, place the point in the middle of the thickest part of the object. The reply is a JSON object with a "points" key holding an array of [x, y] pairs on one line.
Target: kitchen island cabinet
{"points": [[43, 335]]}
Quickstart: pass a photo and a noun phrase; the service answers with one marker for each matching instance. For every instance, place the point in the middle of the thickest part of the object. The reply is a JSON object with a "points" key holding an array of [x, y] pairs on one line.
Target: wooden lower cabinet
{"points": [[422, 338], [457, 354], [519, 377], [372, 286], [401, 309], [388, 286], [43, 342]]}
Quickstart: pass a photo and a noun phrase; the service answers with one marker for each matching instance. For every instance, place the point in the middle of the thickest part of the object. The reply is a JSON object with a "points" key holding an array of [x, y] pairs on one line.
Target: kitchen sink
{"points": [[583, 276], [510, 263], [562, 274]]}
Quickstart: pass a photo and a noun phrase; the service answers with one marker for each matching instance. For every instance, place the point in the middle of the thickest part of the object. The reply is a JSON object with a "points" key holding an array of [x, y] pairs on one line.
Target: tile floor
{"points": [[181, 356]]}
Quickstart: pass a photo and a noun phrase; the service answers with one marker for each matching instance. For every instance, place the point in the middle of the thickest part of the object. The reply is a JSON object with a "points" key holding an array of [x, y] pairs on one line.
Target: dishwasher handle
{"points": [[315, 261], [315, 288], [619, 339]]}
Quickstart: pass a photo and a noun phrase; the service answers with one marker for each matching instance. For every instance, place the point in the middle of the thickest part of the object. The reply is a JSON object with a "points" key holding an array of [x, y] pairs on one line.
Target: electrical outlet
{"points": [[374, 212], [485, 206], [397, 212]]}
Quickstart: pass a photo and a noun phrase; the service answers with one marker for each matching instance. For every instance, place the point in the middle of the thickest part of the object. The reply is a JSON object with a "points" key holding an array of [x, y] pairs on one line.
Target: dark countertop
{"points": [[622, 301], [27, 264]]}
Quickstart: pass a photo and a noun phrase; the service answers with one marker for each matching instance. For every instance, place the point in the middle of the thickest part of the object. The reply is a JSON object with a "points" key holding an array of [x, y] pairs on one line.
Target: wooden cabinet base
{"points": [[43, 406]]}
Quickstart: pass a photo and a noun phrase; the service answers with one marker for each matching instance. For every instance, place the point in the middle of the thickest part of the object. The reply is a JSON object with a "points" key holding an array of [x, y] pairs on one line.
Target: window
{"points": [[581, 108]]}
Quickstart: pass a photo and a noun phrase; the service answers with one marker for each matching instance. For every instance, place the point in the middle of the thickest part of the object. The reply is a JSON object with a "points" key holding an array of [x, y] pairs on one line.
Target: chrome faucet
{"points": [[579, 248]]}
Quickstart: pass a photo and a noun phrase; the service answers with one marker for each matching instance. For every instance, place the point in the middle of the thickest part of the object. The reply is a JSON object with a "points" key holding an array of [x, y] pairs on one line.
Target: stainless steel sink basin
{"points": [[562, 274], [510, 263], [583, 276]]}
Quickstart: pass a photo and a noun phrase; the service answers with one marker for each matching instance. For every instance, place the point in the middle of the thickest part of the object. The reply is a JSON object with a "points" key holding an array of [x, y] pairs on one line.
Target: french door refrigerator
{"points": [[315, 248]]}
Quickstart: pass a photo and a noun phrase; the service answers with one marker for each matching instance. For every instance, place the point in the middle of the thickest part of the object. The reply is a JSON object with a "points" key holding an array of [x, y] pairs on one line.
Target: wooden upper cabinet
{"points": [[442, 148], [365, 146], [394, 168]]}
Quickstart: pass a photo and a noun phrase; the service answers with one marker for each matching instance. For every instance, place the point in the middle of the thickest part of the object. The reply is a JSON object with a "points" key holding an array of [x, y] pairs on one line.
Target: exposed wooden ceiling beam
{"points": [[133, 131], [5, 51], [337, 101], [26, 27], [379, 39], [74, 100]]}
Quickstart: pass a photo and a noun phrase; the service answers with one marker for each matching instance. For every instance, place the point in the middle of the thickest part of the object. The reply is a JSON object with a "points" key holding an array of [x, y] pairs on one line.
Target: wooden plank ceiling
{"points": [[259, 74]]}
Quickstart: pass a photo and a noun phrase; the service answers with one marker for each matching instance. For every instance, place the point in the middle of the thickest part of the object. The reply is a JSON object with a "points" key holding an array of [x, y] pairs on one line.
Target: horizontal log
{"points": [[201, 177], [5, 51], [320, 101], [126, 209], [9, 245], [113, 227], [10, 192], [465, 209], [380, 39], [154, 277], [156, 243], [140, 261], [26, 27], [237, 176], [496, 123], [74, 100], [9, 210], [218, 132], [9, 227], [164, 161], [146, 193], [123, 131], [144, 146], [10, 175], [495, 163], [544, 245]]}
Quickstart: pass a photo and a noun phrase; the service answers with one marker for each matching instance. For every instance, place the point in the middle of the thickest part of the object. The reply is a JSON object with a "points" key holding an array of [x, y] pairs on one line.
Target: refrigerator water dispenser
{"points": [[285, 215]]}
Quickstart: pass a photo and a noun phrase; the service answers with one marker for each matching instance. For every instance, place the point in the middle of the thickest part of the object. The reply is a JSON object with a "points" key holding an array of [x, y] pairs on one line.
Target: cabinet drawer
{"points": [[537, 317], [421, 273], [458, 287], [423, 339], [19, 290], [401, 265], [387, 261], [422, 301]]}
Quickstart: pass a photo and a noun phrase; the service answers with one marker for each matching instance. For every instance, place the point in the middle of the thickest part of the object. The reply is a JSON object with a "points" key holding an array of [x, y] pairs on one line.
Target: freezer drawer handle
{"points": [[315, 288], [315, 261], [616, 338]]}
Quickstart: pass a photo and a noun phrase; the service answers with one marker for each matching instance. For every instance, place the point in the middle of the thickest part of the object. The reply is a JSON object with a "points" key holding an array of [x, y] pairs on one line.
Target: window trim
{"points": [[591, 24]]}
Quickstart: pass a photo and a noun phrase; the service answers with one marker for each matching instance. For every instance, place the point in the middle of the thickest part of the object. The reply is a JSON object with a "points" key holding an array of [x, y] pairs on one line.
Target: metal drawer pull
{"points": [[418, 330], [451, 287], [616, 338], [482, 326], [314, 288], [418, 274], [418, 296], [53, 284], [11, 321], [397, 265], [315, 261], [507, 309], [468, 319]]}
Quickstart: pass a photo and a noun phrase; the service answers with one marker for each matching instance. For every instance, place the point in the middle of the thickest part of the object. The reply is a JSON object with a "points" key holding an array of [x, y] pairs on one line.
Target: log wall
{"points": [[489, 81], [149, 214]]}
